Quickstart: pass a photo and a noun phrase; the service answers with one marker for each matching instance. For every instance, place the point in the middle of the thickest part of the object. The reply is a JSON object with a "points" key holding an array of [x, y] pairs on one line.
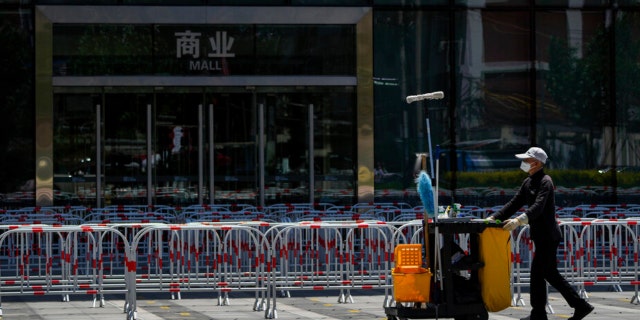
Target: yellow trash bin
{"points": [[495, 276]]}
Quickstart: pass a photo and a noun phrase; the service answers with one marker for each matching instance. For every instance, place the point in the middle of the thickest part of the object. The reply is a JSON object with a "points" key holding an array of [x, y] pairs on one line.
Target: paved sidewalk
{"points": [[302, 305]]}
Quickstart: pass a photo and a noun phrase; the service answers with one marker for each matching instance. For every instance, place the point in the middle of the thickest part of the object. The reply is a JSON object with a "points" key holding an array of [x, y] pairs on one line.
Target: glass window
{"points": [[572, 98], [334, 145], [292, 49], [412, 55], [494, 108], [102, 50], [627, 111], [573, 110], [74, 138], [494, 87], [204, 50], [630, 3], [17, 100]]}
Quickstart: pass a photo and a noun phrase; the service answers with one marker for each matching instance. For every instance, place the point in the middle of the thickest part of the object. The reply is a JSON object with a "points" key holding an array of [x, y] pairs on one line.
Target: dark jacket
{"points": [[537, 192]]}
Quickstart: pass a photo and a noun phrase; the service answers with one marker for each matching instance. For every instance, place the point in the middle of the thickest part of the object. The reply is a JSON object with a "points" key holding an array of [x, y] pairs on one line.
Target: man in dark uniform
{"points": [[537, 192]]}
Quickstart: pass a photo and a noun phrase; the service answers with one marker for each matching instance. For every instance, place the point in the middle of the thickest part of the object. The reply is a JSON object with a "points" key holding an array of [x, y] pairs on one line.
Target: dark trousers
{"points": [[544, 267]]}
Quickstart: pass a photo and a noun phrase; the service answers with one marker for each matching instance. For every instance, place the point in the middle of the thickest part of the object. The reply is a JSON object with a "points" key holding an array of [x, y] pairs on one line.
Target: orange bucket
{"points": [[411, 282]]}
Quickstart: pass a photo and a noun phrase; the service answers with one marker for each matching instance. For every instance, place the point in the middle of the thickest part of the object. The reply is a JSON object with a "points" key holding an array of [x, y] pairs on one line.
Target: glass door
{"points": [[125, 118], [287, 147], [309, 145], [177, 147], [189, 145], [233, 113], [283, 144]]}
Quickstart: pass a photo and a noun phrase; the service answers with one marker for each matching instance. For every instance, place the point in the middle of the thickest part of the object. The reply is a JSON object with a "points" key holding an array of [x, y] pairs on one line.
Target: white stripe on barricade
{"points": [[56, 260], [328, 255]]}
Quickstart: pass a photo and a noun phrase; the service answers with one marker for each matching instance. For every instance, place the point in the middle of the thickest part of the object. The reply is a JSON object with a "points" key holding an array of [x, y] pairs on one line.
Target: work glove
{"points": [[512, 224]]}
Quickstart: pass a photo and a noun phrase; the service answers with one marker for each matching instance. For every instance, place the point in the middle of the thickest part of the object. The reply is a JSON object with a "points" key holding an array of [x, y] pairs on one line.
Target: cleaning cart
{"points": [[457, 283]]}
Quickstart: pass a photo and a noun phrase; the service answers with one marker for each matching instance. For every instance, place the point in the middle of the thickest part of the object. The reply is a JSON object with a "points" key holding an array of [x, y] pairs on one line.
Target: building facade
{"points": [[181, 102]]}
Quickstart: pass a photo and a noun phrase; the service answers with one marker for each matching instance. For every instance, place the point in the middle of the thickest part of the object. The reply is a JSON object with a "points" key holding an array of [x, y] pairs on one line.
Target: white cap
{"points": [[535, 153]]}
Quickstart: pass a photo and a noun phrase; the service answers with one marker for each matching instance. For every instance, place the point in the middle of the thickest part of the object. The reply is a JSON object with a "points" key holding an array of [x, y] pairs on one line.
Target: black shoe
{"points": [[581, 312]]}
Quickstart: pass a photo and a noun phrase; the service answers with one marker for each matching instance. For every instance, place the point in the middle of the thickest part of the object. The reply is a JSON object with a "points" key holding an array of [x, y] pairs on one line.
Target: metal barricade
{"points": [[408, 232], [298, 215], [593, 252], [51, 218], [126, 250], [610, 254], [111, 215], [57, 260], [328, 255], [223, 216], [199, 257]]}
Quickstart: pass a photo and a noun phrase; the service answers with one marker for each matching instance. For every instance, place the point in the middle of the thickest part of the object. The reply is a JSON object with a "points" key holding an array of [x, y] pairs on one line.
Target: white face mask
{"points": [[524, 166]]}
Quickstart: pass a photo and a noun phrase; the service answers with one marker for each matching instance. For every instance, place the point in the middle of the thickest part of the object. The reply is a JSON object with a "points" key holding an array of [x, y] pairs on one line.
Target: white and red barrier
{"points": [[270, 258]]}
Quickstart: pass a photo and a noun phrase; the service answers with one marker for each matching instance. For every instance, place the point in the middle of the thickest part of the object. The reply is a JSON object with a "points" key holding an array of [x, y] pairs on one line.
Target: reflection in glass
{"points": [[220, 50], [75, 148], [574, 92], [235, 146], [287, 147], [174, 155], [622, 167], [17, 183], [414, 59], [102, 50], [292, 49], [334, 146], [288, 127], [125, 141], [494, 117], [627, 109]]}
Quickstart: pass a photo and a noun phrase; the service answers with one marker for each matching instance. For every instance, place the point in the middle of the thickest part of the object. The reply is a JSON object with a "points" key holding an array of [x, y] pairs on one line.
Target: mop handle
{"points": [[430, 150]]}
